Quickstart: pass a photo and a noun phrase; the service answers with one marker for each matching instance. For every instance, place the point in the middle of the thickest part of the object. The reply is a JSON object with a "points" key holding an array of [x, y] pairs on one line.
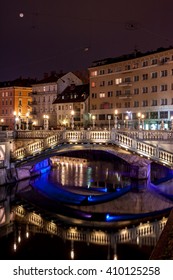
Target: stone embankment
{"points": [[16, 174]]}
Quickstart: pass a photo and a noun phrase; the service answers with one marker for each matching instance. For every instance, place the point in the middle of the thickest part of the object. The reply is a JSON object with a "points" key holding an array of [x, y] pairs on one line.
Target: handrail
{"points": [[153, 152]]}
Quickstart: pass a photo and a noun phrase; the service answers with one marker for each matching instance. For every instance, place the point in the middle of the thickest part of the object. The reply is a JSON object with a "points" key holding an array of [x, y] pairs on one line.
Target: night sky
{"points": [[68, 35]]}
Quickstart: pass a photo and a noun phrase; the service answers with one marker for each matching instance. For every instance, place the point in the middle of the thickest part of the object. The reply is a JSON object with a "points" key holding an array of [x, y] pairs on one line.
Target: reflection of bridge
{"points": [[133, 142], [146, 233]]}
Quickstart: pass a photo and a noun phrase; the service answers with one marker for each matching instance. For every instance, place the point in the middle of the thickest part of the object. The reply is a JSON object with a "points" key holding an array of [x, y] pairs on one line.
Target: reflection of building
{"points": [[131, 84], [74, 99], [45, 92], [14, 97]]}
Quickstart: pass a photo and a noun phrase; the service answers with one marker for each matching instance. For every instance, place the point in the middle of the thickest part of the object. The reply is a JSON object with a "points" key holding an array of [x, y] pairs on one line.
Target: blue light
{"points": [[44, 170], [90, 198], [107, 217]]}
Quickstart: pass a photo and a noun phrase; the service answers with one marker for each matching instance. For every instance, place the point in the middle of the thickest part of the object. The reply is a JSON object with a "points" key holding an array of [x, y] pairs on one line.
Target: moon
{"points": [[21, 15]]}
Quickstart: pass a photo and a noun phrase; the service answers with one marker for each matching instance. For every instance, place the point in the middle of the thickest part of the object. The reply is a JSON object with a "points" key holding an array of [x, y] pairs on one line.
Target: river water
{"points": [[96, 173]]}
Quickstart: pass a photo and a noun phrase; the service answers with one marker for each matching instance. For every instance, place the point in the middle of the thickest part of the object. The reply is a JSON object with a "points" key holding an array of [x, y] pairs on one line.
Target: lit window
{"points": [[118, 81], [94, 73], [102, 95], [93, 84]]}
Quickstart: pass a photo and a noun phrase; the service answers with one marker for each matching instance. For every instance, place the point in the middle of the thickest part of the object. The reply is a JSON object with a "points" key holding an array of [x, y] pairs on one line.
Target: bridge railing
{"points": [[97, 137], [146, 233]]}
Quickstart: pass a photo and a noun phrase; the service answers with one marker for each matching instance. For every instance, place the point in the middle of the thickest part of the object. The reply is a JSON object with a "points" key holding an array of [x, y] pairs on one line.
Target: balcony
{"points": [[125, 84], [125, 96]]}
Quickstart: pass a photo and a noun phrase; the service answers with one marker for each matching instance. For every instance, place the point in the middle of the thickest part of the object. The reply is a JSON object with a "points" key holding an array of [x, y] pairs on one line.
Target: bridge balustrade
{"points": [[54, 139], [166, 156], [146, 149], [145, 233], [91, 136], [125, 140]]}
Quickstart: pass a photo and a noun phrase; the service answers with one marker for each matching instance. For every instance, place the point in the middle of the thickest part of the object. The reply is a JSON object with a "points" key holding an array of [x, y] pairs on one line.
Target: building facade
{"points": [[72, 107], [15, 105], [43, 95], [136, 90]]}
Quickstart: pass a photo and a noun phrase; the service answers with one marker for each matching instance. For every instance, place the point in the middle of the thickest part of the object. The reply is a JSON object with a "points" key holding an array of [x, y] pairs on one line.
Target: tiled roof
{"points": [[73, 93]]}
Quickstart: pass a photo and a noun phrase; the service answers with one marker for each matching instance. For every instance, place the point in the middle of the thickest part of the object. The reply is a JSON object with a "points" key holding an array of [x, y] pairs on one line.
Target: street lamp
{"points": [[17, 120], [109, 120], [126, 121], [116, 119], [27, 121], [142, 117], [93, 119], [139, 120], [72, 119], [33, 125], [46, 122]]}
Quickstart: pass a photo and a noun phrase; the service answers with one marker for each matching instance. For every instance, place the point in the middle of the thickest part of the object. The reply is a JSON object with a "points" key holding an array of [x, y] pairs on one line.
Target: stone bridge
{"points": [[96, 138], [38, 145]]}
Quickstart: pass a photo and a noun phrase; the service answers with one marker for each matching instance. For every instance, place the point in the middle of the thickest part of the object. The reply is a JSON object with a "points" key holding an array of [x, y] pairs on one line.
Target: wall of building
{"points": [[143, 84]]}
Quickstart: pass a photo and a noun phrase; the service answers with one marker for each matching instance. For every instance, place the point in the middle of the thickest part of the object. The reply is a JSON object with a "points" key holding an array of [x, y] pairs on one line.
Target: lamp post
{"points": [[142, 117], [72, 119], [93, 119], [139, 120], [2, 122], [116, 119], [27, 121], [17, 121], [33, 125], [109, 120], [46, 122], [127, 122]]}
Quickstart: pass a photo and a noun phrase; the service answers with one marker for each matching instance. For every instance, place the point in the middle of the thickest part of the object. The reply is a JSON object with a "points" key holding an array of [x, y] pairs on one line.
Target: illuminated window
{"points": [[102, 95], [93, 84], [118, 81], [94, 73]]}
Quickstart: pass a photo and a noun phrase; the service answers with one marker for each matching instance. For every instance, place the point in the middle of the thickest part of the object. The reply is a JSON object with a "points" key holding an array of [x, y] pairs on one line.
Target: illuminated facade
{"points": [[15, 102], [139, 86], [72, 106], [45, 92]]}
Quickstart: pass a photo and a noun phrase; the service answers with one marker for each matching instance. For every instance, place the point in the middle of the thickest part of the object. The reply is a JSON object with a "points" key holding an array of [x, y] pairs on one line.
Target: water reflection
{"points": [[23, 234]]}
